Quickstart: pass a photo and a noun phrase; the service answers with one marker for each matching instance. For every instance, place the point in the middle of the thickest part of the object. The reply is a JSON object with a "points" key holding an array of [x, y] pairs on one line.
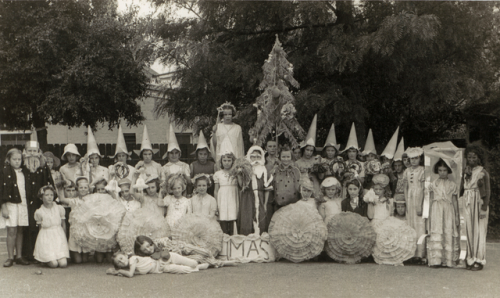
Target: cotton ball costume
{"points": [[297, 232], [200, 231], [95, 222]]}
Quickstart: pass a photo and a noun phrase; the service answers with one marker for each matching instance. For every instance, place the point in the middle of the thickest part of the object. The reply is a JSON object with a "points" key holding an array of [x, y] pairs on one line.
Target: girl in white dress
{"points": [[177, 205], [332, 190], [226, 193], [51, 246], [202, 202], [227, 134]]}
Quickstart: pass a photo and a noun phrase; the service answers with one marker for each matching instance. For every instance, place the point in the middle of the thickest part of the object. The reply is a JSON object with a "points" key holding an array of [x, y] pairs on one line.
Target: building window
{"points": [[183, 138], [15, 139], [129, 140]]}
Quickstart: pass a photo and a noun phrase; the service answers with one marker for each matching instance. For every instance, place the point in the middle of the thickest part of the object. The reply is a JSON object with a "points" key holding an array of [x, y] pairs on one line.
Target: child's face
{"points": [[177, 189], [415, 161], [297, 154], [70, 192], [31, 151], [50, 163], [100, 188], [147, 248], [125, 189], [472, 159], [353, 190], [202, 156], [151, 188], [48, 197], [16, 160], [398, 166], [401, 209], [94, 160], [371, 157], [147, 156], [83, 188], [201, 187], [122, 157], [271, 148], [286, 157], [174, 155], [71, 158], [227, 162], [308, 152], [352, 154], [406, 162], [305, 192], [331, 192], [121, 261], [443, 172], [330, 152], [227, 116], [379, 190]]}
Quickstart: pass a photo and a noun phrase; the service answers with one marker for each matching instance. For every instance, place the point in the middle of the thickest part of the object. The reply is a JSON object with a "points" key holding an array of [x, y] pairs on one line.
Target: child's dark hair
{"points": [[356, 183], [323, 152], [12, 152], [285, 148], [476, 150], [116, 254], [100, 181], [81, 179], [441, 163], [157, 183], [139, 241], [303, 149], [394, 162], [231, 155], [142, 153], [201, 149]]}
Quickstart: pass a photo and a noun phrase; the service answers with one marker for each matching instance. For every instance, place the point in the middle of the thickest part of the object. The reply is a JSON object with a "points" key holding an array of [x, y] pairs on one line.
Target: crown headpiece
{"points": [[226, 104]]}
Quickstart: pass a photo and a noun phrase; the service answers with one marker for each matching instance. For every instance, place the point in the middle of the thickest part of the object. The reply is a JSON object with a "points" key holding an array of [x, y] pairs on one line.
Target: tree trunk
{"points": [[41, 130]]}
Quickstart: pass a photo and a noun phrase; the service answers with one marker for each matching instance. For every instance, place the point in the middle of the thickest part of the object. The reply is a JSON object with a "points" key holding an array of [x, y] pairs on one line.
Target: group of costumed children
{"points": [[241, 192]]}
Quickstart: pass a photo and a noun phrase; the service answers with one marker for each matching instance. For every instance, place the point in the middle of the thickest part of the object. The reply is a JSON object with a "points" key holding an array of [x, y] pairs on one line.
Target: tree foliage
{"points": [[69, 62], [380, 64]]}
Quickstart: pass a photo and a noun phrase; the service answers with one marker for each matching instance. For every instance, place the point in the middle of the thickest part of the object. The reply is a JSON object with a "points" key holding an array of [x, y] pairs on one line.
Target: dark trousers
{"points": [[227, 227], [29, 240]]}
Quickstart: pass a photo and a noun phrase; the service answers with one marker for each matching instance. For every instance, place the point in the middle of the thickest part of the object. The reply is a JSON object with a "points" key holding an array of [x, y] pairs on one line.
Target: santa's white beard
{"points": [[32, 162]]}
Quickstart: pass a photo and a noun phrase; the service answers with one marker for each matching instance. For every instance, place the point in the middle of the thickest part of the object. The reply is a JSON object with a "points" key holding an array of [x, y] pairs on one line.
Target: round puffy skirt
{"points": [[351, 237], [143, 221], [297, 232], [95, 222], [396, 242], [199, 230]]}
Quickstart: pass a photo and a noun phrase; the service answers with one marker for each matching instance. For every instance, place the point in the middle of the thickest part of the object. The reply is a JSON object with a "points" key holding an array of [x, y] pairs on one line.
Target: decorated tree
{"points": [[275, 109]]}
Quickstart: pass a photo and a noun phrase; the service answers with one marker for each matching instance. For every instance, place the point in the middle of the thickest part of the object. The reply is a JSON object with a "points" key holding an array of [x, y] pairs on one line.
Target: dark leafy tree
{"points": [[69, 62], [419, 65]]}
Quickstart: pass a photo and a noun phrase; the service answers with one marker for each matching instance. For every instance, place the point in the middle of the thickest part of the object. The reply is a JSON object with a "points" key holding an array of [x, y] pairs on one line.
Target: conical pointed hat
{"points": [[311, 134], [121, 146], [370, 144], [391, 146], [146, 143], [172, 141], [399, 152], [352, 142], [33, 142], [92, 144], [331, 140], [202, 142]]}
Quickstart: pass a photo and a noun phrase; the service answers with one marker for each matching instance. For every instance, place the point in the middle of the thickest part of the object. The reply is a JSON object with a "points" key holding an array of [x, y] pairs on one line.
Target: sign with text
{"points": [[245, 249]]}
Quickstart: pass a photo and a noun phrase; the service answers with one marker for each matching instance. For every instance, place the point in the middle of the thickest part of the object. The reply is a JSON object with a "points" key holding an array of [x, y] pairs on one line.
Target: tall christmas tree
{"points": [[275, 109]]}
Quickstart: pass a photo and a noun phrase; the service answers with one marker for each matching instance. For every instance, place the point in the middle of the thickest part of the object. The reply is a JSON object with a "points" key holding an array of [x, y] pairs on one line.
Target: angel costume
{"points": [[229, 136]]}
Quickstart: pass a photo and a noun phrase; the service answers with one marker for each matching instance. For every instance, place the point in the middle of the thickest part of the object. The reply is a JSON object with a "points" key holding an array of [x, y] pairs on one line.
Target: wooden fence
{"points": [[108, 150]]}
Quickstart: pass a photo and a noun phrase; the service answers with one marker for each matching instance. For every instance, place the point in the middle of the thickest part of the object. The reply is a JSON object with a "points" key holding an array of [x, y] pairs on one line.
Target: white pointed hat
{"points": [[121, 146], [390, 149], [172, 141], [33, 142], [370, 144], [202, 142], [92, 144], [399, 152], [146, 143], [352, 142], [311, 134], [331, 140]]}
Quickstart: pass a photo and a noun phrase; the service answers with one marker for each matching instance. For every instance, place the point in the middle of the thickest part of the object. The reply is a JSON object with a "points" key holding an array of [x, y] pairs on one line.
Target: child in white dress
{"points": [[51, 246], [202, 202], [226, 193], [332, 190], [379, 206], [177, 205]]}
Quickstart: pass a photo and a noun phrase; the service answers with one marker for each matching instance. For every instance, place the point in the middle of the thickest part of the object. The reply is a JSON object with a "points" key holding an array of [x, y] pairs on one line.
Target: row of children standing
{"points": [[249, 189]]}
